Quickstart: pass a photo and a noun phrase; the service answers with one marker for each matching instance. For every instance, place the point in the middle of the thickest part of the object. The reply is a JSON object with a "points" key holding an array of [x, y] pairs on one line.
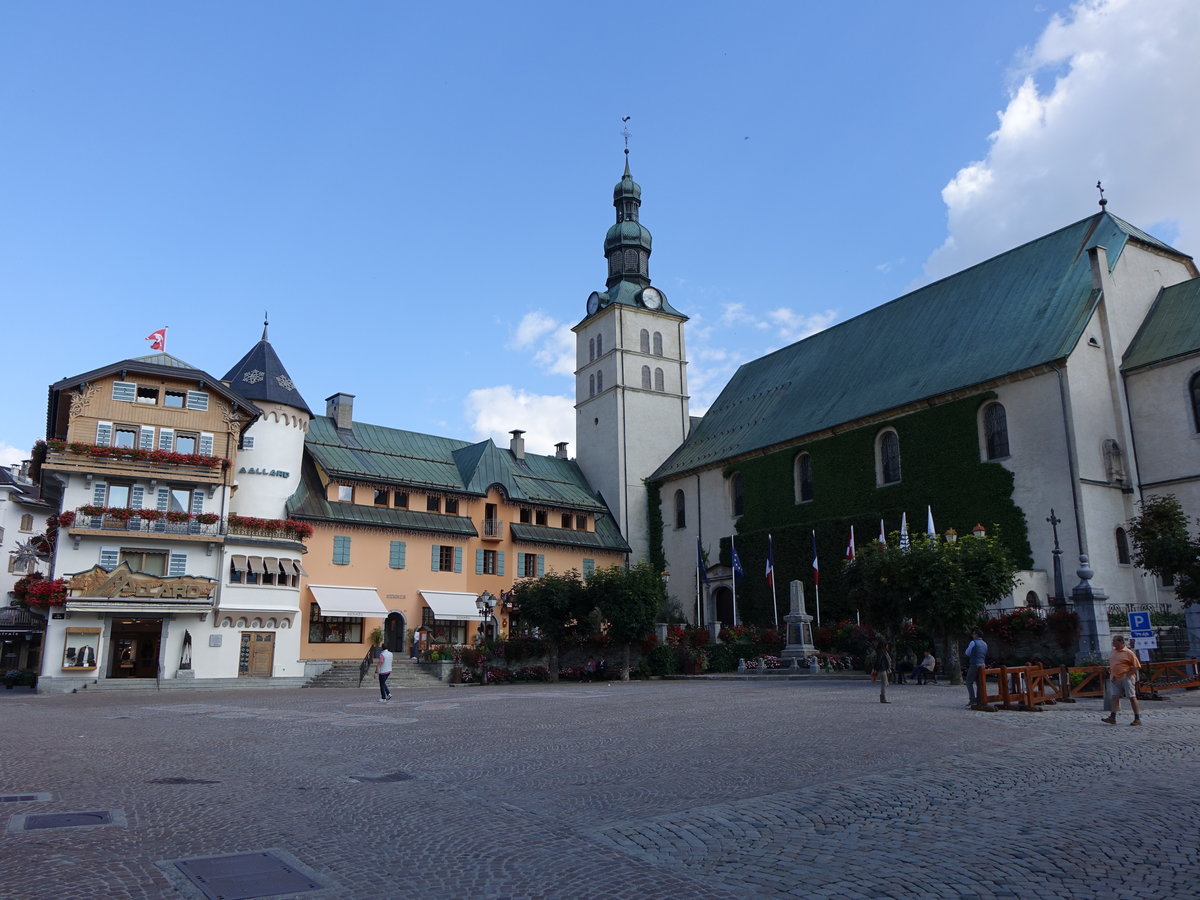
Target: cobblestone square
{"points": [[667, 789]]}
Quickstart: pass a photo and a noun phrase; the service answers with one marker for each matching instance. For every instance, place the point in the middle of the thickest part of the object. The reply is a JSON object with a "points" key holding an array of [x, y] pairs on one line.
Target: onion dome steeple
{"points": [[627, 245]]}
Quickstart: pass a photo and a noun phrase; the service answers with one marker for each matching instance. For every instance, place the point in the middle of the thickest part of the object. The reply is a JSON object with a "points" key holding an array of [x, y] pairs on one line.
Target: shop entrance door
{"points": [[393, 633], [257, 659], [135, 645]]}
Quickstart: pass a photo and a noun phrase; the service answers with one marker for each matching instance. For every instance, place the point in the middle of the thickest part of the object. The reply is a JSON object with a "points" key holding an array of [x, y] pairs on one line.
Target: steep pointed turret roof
{"points": [[259, 375]]}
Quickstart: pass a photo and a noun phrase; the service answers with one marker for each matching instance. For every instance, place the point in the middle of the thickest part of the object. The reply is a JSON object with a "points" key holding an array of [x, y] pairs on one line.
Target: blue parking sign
{"points": [[1139, 624]]}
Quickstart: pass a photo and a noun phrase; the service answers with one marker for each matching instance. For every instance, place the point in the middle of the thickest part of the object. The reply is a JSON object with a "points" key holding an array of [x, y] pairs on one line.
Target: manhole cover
{"points": [[244, 875], [382, 779], [67, 820], [178, 780]]}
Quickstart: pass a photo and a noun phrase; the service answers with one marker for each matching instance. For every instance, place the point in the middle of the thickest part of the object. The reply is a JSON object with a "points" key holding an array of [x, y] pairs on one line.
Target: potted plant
{"points": [[377, 637]]}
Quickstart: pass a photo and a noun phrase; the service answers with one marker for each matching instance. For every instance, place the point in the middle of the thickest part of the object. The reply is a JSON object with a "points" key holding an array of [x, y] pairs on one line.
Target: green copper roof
{"points": [[391, 456], [309, 502], [1171, 329], [606, 536], [1021, 309]]}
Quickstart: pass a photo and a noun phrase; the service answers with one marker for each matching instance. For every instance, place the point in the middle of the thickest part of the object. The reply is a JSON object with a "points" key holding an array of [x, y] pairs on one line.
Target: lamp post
{"points": [[485, 603], [979, 531], [951, 536]]}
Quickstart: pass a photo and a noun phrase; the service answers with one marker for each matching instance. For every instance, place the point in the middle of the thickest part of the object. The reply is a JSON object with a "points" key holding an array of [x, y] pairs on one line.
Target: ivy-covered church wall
{"points": [[940, 467]]}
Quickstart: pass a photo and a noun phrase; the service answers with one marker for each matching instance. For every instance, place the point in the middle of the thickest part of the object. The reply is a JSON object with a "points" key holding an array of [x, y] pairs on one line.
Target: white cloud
{"points": [[1119, 80], [11, 456], [546, 419], [552, 342]]}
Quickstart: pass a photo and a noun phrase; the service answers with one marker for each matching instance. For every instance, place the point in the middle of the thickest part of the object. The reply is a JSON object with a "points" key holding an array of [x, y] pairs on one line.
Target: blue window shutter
{"points": [[341, 550], [178, 565], [197, 502], [146, 438], [99, 493], [197, 400], [541, 570], [589, 567], [103, 434], [166, 439], [206, 444], [125, 391], [396, 555], [478, 562], [110, 557], [137, 497], [500, 563], [434, 565], [403, 552], [458, 559], [520, 565]]}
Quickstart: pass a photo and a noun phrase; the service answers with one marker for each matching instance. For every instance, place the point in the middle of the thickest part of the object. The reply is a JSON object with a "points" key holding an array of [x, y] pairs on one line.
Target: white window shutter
{"points": [[110, 557], [197, 400], [178, 565], [124, 391], [206, 444], [104, 432], [166, 439], [146, 438]]}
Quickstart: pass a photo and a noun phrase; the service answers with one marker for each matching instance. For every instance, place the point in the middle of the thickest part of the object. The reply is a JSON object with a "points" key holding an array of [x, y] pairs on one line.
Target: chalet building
{"points": [[23, 516]]}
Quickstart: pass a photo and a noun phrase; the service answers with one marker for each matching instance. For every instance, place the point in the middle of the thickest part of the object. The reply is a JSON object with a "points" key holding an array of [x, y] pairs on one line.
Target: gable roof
{"points": [[1171, 328], [1023, 308], [159, 364]]}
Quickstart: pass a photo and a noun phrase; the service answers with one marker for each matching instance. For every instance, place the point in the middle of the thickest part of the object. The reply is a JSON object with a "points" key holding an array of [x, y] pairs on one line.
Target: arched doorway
{"points": [[393, 632]]}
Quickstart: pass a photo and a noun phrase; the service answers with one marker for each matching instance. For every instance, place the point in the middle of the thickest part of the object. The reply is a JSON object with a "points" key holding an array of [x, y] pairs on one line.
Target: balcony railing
{"points": [[144, 467], [203, 525], [493, 528], [139, 525]]}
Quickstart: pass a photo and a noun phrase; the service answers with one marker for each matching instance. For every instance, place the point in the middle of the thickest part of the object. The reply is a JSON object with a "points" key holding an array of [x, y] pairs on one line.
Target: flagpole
{"points": [[774, 599], [816, 568], [733, 549]]}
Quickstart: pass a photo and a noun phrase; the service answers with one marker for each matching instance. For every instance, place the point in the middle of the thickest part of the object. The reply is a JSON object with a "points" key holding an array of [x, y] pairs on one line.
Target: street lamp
{"points": [[979, 531], [951, 535], [485, 603], [666, 577]]}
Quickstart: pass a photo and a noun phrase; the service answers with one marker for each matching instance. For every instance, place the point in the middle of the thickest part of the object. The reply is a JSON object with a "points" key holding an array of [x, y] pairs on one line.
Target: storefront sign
{"points": [[122, 582]]}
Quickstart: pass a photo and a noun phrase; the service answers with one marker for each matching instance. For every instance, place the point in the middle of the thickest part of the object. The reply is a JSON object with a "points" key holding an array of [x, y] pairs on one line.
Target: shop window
{"points": [[333, 629]]}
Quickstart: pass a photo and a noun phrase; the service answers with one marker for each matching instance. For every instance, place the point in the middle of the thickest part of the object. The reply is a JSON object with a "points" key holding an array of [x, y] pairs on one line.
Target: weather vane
{"points": [[625, 132], [1103, 202]]}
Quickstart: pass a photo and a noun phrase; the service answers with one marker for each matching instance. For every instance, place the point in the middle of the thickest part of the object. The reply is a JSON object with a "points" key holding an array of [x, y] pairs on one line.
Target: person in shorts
{"points": [[1123, 666]]}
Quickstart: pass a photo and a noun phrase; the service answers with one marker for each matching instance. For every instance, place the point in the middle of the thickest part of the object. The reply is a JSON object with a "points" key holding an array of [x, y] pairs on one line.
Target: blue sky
{"points": [[419, 193]]}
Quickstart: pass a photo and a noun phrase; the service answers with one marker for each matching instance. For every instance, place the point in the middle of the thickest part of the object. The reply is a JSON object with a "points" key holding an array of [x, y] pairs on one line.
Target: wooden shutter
{"points": [[434, 565], [124, 391], [178, 564], [104, 432], [458, 559], [589, 567], [146, 438], [197, 400]]}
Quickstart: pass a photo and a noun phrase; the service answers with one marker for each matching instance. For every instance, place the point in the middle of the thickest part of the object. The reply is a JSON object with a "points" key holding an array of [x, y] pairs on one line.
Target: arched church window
{"points": [[645, 378], [888, 458], [643, 259], [631, 260], [1122, 547], [644, 341], [1195, 392], [659, 381], [599, 345], [995, 431], [592, 385], [658, 343], [803, 478], [591, 349], [737, 502], [599, 382], [680, 510]]}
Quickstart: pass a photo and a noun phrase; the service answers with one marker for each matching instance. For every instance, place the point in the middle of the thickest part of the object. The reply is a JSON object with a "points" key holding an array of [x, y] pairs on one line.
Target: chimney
{"points": [[517, 445], [340, 408], [560, 450]]}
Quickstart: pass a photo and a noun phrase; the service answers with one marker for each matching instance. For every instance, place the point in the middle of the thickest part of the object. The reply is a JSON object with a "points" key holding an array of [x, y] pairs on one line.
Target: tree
{"points": [[942, 586], [628, 600], [1162, 545], [554, 604]]}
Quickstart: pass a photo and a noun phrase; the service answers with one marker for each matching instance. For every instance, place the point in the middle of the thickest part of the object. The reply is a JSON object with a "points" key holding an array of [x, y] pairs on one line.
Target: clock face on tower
{"points": [[652, 298], [593, 303]]}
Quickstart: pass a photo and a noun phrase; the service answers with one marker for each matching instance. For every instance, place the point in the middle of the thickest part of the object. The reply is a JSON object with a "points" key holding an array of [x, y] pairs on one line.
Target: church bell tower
{"points": [[631, 403]]}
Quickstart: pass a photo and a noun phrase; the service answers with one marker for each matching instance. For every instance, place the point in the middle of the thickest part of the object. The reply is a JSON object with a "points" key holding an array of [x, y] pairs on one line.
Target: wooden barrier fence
{"points": [[1030, 688]]}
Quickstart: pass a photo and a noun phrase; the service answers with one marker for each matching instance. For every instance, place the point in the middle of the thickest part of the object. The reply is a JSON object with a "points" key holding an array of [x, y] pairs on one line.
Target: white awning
{"points": [[348, 601], [239, 563], [256, 564], [450, 606], [271, 564]]}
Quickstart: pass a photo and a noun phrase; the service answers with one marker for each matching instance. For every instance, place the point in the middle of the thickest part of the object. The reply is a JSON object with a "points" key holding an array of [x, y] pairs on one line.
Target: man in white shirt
{"points": [[383, 666]]}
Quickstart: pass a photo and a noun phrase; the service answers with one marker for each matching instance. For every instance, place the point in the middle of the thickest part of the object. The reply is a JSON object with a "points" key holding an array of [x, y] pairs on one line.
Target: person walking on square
{"points": [[1123, 666], [383, 666], [976, 655]]}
